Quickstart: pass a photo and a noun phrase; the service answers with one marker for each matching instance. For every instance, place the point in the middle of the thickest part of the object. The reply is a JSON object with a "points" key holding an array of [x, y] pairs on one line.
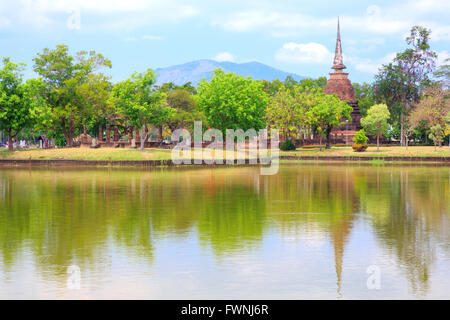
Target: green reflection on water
{"points": [[65, 217]]}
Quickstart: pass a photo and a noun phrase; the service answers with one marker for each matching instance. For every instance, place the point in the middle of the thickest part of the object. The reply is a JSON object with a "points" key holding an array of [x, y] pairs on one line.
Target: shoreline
{"points": [[170, 163]]}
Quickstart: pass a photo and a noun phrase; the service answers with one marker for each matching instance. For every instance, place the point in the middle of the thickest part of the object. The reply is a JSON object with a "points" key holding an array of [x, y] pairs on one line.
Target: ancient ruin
{"points": [[339, 84]]}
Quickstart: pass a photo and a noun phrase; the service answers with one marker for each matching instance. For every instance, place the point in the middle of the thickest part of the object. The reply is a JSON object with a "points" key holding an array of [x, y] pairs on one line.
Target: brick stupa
{"points": [[339, 84]]}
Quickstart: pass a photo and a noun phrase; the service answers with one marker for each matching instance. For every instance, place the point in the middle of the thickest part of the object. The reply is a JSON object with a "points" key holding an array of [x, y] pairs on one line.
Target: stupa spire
{"points": [[338, 62]]}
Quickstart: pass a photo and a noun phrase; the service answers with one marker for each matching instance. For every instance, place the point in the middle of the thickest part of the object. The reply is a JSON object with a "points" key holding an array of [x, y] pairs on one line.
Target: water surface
{"points": [[311, 232]]}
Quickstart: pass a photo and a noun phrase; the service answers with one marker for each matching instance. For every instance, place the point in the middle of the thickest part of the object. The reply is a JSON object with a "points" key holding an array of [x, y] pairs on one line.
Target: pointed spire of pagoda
{"points": [[338, 62]]}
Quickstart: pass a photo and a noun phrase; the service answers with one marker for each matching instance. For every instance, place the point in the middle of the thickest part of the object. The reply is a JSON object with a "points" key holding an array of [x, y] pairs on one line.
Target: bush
{"points": [[287, 145], [360, 137], [359, 147]]}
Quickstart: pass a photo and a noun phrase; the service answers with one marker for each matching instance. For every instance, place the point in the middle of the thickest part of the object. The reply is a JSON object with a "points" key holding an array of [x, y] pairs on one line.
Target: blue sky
{"points": [[295, 36]]}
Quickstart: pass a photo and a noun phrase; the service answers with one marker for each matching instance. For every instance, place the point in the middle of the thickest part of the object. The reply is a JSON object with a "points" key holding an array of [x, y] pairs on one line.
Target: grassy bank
{"points": [[118, 154]]}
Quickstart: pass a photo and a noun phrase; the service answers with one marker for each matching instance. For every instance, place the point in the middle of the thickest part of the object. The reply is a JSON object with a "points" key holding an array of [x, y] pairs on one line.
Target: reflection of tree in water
{"points": [[407, 207], [73, 217]]}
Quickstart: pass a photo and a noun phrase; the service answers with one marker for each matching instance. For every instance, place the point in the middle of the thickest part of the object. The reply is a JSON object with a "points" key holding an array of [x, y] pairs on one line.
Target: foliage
{"points": [[376, 121], [398, 84], [443, 73], [230, 101], [432, 110], [365, 95], [20, 103], [71, 85], [360, 137], [140, 103], [285, 111], [185, 109], [327, 113], [287, 145]]}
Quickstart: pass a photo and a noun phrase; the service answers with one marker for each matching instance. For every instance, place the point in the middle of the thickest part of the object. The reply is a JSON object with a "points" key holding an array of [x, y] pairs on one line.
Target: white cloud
{"points": [[368, 65], [4, 22], [375, 20], [224, 56], [98, 14], [144, 37], [151, 37], [442, 56], [312, 52]]}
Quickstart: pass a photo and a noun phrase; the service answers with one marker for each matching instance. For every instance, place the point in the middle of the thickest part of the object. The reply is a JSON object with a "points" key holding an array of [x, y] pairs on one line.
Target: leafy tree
{"points": [[64, 77], [230, 101], [20, 103], [185, 108], [285, 112], [432, 110], [365, 95], [140, 103], [360, 137], [327, 114], [398, 83], [443, 73], [376, 121]]}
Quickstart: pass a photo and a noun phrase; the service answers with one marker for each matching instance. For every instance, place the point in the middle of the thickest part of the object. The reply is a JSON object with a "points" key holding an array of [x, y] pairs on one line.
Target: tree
{"points": [[230, 101], [140, 103], [376, 121], [63, 76], [20, 103], [285, 112], [432, 110], [443, 73], [327, 114], [365, 95], [398, 84], [185, 109]]}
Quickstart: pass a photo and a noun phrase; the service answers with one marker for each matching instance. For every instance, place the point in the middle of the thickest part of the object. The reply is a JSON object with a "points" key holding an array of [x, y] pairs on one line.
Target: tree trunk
{"points": [[160, 134], [407, 143], [328, 143], [320, 142], [144, 135], [10, 143], [402, 129], [378, 142]]}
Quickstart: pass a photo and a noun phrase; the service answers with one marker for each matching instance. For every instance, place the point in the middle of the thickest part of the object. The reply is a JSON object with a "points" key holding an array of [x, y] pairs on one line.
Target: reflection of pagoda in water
{"points": [[339, 84]]}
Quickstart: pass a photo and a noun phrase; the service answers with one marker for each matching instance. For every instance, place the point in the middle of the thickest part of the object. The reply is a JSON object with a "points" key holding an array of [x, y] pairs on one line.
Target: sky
{"points": [[291, 35]]}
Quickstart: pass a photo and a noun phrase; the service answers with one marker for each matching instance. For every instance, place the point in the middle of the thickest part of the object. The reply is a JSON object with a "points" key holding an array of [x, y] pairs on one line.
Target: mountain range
{"points": [[197, 70]]}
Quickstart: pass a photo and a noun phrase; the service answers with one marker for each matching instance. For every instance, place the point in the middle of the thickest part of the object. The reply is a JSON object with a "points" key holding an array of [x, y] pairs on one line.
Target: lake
{"points": [[333, 231]]}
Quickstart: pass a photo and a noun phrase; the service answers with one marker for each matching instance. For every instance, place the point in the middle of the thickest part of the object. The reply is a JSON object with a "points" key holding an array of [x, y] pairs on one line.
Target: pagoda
{"points": [[339, 84]]}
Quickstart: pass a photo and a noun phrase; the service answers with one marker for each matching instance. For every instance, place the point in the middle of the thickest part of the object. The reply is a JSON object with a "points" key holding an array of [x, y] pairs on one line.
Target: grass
{"points": [[385, 151], [114, 154], [117, 154]]}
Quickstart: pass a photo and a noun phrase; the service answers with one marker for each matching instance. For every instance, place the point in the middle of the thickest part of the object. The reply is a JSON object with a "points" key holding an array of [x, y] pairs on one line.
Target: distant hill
{"points": [[197, 70]]}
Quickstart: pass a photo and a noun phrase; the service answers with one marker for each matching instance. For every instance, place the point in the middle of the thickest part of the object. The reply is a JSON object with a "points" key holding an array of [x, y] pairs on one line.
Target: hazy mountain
{"points": [[197, 70]]}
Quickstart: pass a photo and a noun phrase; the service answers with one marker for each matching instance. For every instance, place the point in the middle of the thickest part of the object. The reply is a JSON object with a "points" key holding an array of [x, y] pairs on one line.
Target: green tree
{"points": [[140, 103], [398, 83], [230, 101], [365, 95], [329, 112], [432, 110], [376, 121], [185, 107], [443, 73], [285, 112], [64, 75], [20, 103]]}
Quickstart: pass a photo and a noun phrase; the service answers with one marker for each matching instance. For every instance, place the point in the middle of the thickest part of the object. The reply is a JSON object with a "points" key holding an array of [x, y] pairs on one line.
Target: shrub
{"points": [[359, 147], [287, 145], [360, 137]]}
